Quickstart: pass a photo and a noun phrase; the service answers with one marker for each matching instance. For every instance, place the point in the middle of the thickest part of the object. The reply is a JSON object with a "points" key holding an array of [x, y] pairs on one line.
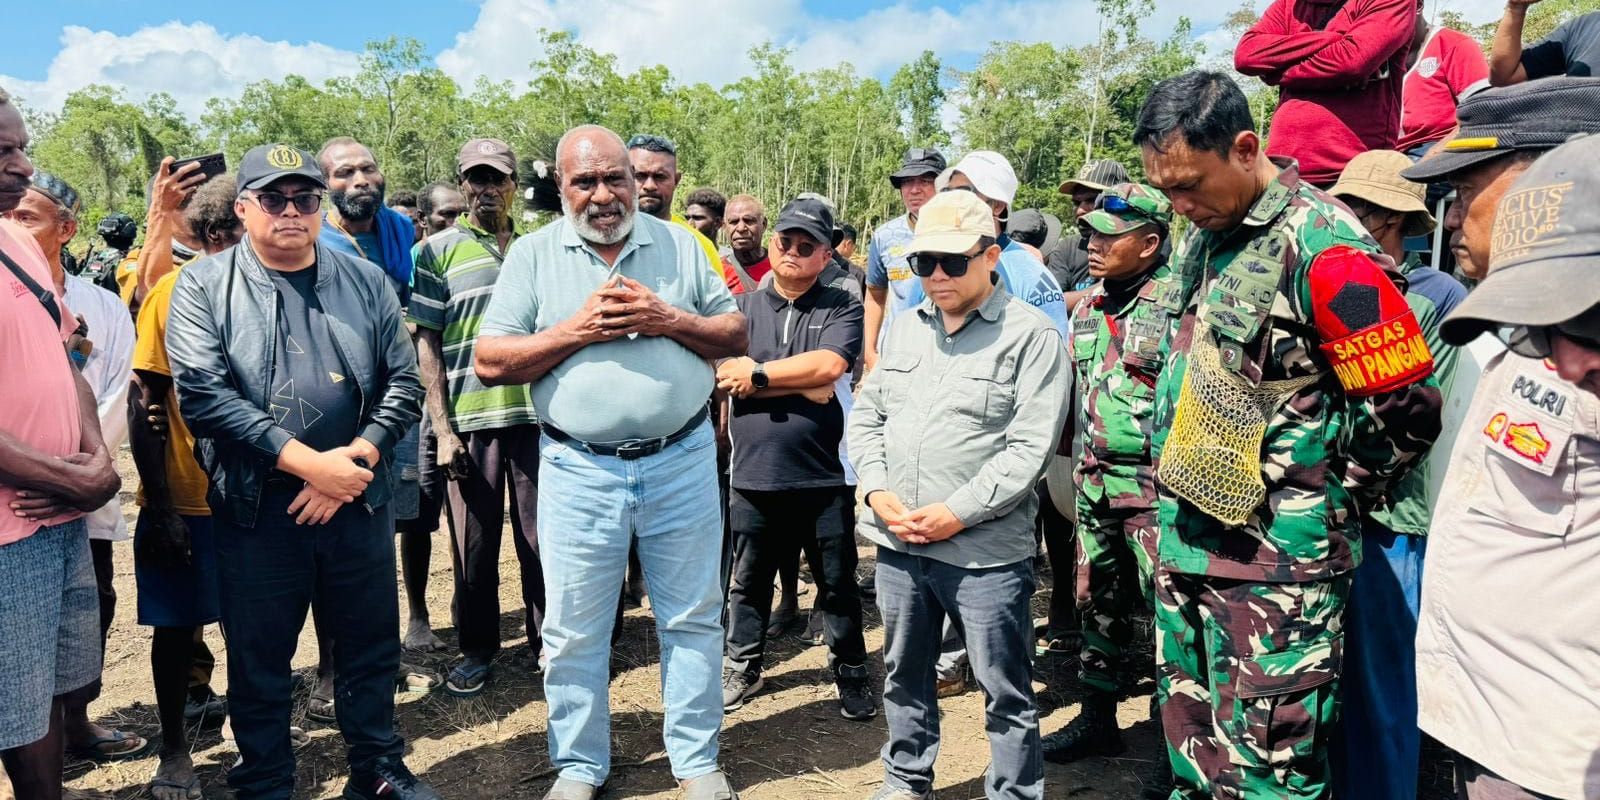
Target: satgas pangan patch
{"points": [[1380, 359]]}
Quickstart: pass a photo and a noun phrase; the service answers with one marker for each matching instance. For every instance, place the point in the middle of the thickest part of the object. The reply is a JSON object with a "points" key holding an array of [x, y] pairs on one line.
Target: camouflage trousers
{"points": [[1248, 684], [1116, 557]]}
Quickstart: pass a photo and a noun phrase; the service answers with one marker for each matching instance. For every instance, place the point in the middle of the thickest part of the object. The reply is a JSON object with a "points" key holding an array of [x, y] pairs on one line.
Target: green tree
{"points": [[919, 96]]}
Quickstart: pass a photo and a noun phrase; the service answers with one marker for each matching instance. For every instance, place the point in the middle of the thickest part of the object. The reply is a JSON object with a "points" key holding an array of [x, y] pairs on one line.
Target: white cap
{"points": [[990, 173]]}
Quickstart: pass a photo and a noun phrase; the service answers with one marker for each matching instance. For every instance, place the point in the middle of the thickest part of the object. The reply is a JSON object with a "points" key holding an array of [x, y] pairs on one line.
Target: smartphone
{"points": [[210, 165]]}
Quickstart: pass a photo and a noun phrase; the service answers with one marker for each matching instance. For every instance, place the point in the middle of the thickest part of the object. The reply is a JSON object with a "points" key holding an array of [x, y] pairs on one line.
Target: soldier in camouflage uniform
{"points": [[1296, 385], [118, 230], [1117, 332]]}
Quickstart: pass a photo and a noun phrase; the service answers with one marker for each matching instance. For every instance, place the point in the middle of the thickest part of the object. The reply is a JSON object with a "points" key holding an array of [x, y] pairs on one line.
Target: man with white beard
{"points": [[612, 316]]}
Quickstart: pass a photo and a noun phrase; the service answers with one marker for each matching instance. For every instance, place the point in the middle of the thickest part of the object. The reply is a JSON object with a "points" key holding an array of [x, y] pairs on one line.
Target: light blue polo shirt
{"points": [[888, 267], [638, 388]]}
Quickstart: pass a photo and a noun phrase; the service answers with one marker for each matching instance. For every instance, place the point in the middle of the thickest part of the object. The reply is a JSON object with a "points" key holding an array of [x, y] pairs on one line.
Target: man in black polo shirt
{"points": [[788, 485]]}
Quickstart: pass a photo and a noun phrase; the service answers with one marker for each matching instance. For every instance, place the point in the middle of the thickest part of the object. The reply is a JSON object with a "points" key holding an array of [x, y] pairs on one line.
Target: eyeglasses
{"points": [[274, 203], [954, 264], [800, 248], [653, 143], [1535, 342]]}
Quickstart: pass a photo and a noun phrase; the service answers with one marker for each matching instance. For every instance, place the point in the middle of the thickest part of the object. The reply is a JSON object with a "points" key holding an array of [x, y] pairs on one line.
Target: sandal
{"points": [[97, 750], [467, 679], [416, 680], [320, 709], [189, 789]]}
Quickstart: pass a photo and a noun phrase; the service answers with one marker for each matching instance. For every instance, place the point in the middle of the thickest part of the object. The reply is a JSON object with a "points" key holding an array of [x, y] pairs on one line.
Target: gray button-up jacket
{"points": [[967, 419]]}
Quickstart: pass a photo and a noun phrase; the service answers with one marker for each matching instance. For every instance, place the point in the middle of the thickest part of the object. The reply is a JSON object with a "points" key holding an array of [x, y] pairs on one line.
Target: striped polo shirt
{"points": [[456, 270]]}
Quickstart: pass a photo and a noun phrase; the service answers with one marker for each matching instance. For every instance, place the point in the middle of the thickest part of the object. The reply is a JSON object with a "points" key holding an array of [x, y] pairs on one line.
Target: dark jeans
{"points": [[104, 575], [269, 574], [770, 527], [1057, 532], [990, 610], [502, 458]]}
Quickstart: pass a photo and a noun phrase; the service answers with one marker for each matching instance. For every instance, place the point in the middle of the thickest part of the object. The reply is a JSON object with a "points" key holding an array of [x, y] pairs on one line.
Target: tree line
{"points": [[774, 133]]}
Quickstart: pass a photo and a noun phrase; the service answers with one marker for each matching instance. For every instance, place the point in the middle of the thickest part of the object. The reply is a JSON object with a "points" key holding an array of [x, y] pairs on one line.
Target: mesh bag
{"points": [[1213, 456]]}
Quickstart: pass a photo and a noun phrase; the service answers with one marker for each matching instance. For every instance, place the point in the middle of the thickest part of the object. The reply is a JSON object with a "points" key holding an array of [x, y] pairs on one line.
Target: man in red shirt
{"points": [[1445, 64], [1340, 67], [746, 221]]}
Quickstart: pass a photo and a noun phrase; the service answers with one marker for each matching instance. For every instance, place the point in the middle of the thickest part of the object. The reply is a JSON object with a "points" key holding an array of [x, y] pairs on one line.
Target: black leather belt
{"points": [[631, 449]]}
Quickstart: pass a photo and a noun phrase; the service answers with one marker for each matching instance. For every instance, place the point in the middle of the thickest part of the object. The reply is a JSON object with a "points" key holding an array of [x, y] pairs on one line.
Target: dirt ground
{"points": [[789, 742]]}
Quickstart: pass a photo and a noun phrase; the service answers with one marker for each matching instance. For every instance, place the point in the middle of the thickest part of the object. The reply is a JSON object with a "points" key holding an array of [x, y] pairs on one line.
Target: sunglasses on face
{"points": [[798, 247], [1536, 342], [274, 203], [954, 264]]}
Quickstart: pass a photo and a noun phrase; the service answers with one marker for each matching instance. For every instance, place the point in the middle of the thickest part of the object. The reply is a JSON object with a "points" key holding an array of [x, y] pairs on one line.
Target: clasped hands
{"points": [[925, 525], [333, 480], [623, 307]]}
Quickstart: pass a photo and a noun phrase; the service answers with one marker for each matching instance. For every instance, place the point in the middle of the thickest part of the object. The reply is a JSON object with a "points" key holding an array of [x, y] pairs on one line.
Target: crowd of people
{"points": [[1354, 497]]}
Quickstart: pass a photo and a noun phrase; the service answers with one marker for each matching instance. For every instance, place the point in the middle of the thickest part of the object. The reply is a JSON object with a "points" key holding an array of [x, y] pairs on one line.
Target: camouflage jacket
{"points": [[1117, 356], [1325, 452]]}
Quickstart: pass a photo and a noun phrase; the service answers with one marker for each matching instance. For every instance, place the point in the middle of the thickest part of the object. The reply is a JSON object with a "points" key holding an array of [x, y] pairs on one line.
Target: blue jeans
{"points": [[591, 508], [268, 577], [1379, 744], [989, 609]]}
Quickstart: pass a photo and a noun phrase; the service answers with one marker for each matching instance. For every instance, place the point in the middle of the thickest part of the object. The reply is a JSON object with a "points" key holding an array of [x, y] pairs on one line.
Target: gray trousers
{"points": [[989, 610], [1477, 782]]}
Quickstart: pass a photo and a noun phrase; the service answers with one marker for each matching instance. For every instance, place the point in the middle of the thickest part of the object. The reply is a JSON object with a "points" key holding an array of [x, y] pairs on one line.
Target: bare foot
{"points": [[175, 779], [421, 639]]}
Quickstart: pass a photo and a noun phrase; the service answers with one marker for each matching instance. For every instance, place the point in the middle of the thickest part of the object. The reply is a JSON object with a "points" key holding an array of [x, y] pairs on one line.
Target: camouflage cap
{"points": [[58, 190], [1126, 206]]}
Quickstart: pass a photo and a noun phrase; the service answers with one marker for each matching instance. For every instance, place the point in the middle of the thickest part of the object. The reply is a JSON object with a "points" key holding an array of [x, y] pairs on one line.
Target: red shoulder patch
{"points": [[1369, 334]]}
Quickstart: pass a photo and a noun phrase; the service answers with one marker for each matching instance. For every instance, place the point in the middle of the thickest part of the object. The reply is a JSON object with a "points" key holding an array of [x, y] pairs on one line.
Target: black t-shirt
{"points": [[313, 395], [790, 442], [1572, 49], [1069, 263]]}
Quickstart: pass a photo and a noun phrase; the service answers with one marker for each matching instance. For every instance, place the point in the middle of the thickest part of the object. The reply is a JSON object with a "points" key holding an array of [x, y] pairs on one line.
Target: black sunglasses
{"points": [[1535, 342], [796, 246], [954, 264], [274, 203]]}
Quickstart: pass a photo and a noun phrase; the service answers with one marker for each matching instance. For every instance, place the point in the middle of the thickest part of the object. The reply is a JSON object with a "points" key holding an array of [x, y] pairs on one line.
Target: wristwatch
{"points": [[758, 376]]}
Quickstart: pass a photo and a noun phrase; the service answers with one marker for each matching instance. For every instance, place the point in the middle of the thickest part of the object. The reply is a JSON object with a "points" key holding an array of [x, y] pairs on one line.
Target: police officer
{"points": [[1296, 384], [1506, 648], [1117, 333]]}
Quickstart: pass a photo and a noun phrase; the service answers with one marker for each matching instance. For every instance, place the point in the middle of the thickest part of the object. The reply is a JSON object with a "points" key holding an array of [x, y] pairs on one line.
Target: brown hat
{"points": [[1374, 177], [493, 152]]}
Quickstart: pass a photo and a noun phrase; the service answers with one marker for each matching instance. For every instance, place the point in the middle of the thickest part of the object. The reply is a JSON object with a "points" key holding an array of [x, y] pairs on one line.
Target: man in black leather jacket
{"points": [[297, 378]]}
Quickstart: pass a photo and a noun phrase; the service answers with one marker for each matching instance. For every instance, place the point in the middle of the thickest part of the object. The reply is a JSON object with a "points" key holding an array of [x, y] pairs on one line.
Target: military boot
{"points": [[1093, 733], [1156, 777]]}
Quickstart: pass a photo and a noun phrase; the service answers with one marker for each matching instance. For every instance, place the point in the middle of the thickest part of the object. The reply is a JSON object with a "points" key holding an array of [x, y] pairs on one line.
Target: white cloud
{"points": [[706, 40], [191, 62], [699, 40]]}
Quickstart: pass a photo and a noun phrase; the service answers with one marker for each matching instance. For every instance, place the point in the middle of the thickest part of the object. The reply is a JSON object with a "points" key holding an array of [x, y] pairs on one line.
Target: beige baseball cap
{"points": [[952, 222]]}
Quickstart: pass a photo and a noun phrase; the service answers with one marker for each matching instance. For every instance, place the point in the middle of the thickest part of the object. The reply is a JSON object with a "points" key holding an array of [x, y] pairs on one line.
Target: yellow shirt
{"points": [[128, 276], [184, 478], [705, 244]]}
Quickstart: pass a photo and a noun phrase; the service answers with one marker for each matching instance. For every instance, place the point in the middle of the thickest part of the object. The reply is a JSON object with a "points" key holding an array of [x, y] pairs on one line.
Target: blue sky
{"points": [[198, 49]]}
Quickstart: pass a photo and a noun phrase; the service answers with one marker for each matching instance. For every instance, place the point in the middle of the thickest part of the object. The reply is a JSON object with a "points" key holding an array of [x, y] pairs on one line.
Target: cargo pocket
{"points": [[897, 374], [985, 396], [1281, 701]]}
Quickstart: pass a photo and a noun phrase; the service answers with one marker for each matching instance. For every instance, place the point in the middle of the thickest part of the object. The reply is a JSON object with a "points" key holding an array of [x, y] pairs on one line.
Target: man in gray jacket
{"points": [[948, 437], [295, 374]]}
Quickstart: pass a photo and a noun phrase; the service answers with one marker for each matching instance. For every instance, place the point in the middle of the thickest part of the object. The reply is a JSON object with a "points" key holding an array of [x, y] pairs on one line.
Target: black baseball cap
{"points": [[919, 162], [809, 216], [1546, 242], [266, 164], [1535, 115]]}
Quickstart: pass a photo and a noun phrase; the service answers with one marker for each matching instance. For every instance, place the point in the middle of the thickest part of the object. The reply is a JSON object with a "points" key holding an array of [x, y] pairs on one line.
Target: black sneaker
{"points": [[201, 709], [854, 685], [739, 686], [389, 779]]}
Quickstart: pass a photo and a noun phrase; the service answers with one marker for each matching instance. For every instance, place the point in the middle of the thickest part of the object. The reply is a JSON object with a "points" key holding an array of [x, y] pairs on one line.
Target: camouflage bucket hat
{"points": [[1127, 206]]}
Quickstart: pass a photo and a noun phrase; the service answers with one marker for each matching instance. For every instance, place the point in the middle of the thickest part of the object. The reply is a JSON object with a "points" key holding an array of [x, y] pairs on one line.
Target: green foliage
{"points": [[773, 133]]}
